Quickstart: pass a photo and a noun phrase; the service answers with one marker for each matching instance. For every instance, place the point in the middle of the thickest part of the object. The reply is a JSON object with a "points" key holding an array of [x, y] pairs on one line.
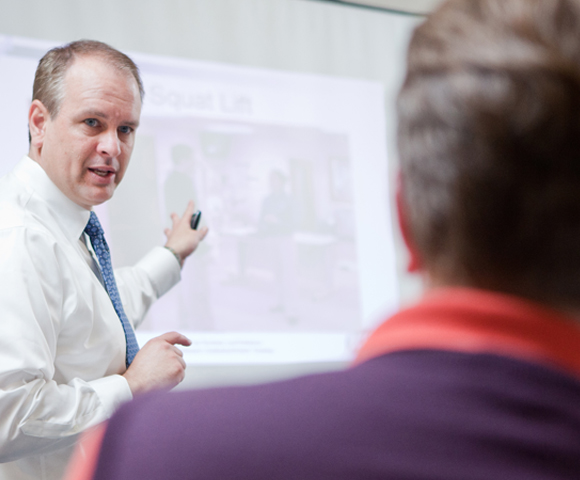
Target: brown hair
{"points": [[489, 140], [49, 78]]}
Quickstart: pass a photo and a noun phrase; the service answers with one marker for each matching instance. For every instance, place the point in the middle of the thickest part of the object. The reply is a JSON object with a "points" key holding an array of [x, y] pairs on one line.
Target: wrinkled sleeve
{"points": [[38, 414], [141, 285]]}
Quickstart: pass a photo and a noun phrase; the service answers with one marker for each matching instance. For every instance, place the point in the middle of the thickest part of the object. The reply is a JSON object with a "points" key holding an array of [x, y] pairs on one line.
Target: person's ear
{"points": [[414, 264], [38, 118]]}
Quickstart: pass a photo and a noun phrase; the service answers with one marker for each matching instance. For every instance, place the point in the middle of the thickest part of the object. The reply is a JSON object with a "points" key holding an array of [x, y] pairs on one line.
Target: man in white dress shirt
{"points": [[62, 344]]}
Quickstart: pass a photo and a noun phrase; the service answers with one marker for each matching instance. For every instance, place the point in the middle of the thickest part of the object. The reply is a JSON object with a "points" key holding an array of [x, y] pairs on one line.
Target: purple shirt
{"points": [[414, 413]]}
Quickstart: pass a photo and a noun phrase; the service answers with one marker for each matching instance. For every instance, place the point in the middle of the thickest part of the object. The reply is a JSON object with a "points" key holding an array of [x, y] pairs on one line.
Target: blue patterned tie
{"points": [[97, 236]]}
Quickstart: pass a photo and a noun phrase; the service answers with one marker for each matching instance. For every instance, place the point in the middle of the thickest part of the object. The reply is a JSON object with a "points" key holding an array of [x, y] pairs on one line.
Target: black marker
{"points": [[195, 219]]}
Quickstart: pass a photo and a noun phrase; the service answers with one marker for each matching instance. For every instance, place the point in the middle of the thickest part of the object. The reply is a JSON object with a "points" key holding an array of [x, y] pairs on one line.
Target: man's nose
{"points": [[109, 144]]}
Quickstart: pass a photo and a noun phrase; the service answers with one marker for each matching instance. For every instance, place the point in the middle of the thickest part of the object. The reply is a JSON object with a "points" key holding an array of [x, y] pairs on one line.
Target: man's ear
{"points": [[38, 118], [414, 264]]}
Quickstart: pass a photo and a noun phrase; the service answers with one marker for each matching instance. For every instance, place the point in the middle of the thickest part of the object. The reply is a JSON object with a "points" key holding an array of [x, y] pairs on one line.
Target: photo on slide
{"points": [[281, 253]]}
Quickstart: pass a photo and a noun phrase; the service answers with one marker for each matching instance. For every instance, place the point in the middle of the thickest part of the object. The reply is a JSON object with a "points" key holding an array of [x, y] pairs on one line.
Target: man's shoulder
{"points": [[224, 413], [20, 206], [337, 422], [395, 382], [14, 204], [269, 419], [14, 200]]}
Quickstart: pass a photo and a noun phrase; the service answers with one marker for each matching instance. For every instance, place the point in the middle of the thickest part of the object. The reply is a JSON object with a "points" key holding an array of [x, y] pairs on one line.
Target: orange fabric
{"points": [[84, 461], [468, 320]]}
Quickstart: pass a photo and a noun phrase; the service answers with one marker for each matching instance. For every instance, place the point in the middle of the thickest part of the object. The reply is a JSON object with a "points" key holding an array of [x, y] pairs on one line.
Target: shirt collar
{"points": [[71, 217], [479, 321]]}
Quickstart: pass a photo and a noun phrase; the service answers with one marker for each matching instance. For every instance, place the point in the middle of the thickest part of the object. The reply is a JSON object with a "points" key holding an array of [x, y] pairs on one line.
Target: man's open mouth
{"points": [[102, 172]]}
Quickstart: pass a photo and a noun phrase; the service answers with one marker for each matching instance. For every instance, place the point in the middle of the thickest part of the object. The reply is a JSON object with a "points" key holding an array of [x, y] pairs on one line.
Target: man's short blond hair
{"points": [[49, 78]]}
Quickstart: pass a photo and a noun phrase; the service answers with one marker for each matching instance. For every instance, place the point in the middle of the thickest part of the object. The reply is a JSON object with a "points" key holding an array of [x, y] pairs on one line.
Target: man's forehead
{"points": [[91, 78], [94, 69]]}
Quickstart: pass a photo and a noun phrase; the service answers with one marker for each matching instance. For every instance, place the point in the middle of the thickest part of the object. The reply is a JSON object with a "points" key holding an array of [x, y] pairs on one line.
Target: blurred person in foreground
{"points": [[481, 378], [68, 352]]}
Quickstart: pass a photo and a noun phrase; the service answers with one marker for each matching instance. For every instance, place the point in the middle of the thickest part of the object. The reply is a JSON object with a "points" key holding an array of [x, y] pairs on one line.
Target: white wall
{"points": [[289, 35]]}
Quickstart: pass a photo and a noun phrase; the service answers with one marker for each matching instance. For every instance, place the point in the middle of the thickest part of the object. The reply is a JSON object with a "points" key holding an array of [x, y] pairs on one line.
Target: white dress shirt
{"points": [[62, 345]]}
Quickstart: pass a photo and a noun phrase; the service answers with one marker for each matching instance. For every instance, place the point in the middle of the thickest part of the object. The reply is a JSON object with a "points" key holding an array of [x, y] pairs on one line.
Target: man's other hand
{"points": [[158, 365], [181, 238]]}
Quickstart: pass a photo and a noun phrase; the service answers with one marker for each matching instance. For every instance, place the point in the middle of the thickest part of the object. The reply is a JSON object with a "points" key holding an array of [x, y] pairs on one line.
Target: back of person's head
{"points": [[489, 139], [49, 78]]}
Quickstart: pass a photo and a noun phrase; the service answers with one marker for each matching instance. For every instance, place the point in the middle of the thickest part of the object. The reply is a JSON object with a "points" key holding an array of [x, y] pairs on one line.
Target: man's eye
{"points": [[125, 130], [92, 122]]}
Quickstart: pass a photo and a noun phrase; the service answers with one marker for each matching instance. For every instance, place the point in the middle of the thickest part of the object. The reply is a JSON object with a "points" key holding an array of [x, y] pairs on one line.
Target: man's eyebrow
{"points": [[99, 114], [131, 124]]}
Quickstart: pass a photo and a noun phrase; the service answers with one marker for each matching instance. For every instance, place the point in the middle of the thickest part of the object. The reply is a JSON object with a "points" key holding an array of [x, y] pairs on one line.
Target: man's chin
{"points": [[94, 199]]}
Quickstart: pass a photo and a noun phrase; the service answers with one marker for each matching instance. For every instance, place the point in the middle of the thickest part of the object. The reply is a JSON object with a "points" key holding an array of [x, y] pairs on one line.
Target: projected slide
{"points": [[290, 172]]}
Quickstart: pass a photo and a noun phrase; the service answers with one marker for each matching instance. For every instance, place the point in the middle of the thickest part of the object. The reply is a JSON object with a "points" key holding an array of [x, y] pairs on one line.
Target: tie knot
{"points": [[93, 228]]}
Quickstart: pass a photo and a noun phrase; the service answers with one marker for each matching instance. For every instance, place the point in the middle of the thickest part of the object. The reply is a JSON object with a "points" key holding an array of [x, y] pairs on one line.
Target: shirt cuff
{"points": [[162, 268], [112, 391]]}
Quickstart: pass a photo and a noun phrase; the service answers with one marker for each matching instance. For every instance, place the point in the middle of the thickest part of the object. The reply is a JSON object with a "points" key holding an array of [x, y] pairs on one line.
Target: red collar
{"points": [[468, 320]]}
